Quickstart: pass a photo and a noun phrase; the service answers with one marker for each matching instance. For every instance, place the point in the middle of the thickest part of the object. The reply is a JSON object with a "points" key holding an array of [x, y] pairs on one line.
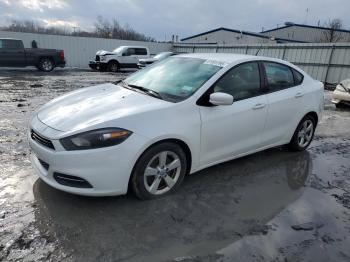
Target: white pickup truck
{"points": [[121, 57]]}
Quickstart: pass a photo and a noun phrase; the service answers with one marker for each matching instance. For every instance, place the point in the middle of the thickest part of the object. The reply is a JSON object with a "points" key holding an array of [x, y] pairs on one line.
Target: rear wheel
{"points": [[304, 134], [159, 171], [46, 65], [113, 66]]}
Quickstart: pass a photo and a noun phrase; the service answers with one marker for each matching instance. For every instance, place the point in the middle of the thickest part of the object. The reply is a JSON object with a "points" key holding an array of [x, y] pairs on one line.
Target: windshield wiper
{"points": [[145, 90]]}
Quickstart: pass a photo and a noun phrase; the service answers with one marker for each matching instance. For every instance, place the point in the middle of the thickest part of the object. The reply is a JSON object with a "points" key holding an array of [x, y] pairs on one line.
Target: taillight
{"points": [[61, 55]]}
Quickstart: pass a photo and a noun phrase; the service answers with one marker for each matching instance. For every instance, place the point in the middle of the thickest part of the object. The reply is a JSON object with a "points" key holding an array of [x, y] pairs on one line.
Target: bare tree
{"points": [[332, 34], [112, 29], [30, 26], [103, 28]]}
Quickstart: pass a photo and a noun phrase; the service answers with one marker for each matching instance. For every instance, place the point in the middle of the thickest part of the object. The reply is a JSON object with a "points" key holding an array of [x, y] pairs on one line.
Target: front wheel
{"points": [[304, 134], [113, 66], [159, 171], [46, 65]]}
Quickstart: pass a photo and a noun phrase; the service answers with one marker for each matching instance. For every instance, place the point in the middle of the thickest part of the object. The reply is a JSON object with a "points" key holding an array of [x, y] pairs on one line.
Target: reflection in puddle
{"points": [[212, 208]]}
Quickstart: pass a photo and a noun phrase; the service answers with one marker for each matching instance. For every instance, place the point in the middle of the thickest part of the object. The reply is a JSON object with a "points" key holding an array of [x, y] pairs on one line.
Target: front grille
{"points": [[97, 58], [71, 181], [41, 140], [44, 164]]}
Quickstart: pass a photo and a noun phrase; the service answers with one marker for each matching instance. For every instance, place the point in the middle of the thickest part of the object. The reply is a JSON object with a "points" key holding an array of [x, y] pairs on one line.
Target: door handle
{"points": [[259, 106], [299, 94]]}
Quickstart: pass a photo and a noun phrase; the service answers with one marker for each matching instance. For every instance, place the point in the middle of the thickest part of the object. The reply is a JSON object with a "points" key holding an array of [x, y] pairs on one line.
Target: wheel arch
{"points": [[177, 141], [314, 115], [113, 60], [46, 57]]}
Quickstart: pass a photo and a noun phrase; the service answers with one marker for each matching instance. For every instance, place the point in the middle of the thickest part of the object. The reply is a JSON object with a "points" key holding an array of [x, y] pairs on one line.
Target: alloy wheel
{"points": [[47, 65], [305, 133], [162, 172]]}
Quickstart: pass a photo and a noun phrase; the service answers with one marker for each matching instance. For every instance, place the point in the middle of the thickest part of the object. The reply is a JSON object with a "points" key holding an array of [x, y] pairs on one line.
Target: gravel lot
{"points": [[271, 206]]}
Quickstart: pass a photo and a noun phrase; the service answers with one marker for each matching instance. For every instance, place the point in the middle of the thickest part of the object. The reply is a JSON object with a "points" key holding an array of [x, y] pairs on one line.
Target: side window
{"points": [[11, 44], [130, 51], [278, 76], [1, 44], [241, 82], [298, 77], [141, 51]]}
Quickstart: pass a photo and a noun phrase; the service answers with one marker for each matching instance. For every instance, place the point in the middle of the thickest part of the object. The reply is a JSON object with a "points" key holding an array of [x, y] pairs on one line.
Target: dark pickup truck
{"points": [[13, 54]]}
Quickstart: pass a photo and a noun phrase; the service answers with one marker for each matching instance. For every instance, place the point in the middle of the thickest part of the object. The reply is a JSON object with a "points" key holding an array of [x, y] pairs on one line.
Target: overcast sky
{"points": [[158, 18]]}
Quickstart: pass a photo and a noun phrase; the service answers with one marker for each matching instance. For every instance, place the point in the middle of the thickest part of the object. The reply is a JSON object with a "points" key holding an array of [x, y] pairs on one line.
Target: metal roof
{"points": [[306, 26], [241, 32], [229, 30]]}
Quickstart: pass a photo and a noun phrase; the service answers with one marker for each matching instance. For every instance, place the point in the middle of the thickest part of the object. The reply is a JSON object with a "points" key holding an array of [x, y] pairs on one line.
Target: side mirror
{"points": [[221, 99], [124, 54]]}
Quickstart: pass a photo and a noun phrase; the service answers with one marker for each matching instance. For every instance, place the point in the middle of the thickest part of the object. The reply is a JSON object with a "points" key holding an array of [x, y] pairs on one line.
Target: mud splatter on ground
{"points": [[243, 210]]}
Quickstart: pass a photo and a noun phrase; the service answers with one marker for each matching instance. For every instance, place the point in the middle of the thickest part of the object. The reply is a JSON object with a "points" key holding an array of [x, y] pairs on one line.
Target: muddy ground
{"points": [[271, 206]]}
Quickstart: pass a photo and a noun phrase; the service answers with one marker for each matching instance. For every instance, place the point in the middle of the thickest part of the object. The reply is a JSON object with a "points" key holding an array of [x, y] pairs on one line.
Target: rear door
{"points": [[141, 53], [235, 129], [12, 53], [284, 97]]}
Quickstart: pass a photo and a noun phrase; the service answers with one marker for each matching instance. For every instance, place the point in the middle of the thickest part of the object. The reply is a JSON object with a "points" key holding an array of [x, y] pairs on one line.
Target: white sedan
{"points": [[176, 117]]}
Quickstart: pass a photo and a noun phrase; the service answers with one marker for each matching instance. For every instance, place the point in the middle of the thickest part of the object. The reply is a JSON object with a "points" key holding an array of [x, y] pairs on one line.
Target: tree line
{"points": [[103, 28]]}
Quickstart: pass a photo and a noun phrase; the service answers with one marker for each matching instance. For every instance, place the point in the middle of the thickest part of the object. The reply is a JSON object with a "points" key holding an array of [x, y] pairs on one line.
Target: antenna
{"points": [[306, 16]]}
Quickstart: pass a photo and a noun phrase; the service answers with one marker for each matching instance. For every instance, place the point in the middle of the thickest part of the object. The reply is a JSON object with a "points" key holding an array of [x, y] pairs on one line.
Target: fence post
{"points": [[194, 47], [284, 52], [246, 49], [329, 63], [216, 49]]}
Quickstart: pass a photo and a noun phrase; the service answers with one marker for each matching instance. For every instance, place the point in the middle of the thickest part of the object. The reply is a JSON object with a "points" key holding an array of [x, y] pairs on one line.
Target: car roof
{"points": [[133, 46], [230, 58], [10, 39]]}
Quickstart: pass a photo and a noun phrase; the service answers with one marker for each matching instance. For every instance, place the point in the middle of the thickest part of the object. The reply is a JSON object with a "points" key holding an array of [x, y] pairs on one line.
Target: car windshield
{"points": [[175, 78], [161, 55], [118, 50]]}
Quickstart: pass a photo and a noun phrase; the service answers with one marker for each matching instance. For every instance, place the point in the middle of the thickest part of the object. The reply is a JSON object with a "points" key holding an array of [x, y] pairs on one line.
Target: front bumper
{"points": [[107, 170], [340, 97], [96, 65]]}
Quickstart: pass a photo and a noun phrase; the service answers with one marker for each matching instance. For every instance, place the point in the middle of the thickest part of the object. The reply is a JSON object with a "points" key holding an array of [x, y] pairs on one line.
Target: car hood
{"points": [[104, 52], [95, 105]]}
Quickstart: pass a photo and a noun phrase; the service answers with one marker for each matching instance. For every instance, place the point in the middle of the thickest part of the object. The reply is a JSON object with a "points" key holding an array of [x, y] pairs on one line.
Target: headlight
{"points": [[103, 58], [95, 139]]}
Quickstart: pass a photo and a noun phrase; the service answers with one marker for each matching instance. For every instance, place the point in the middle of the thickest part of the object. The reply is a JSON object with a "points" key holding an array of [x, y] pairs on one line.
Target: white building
{"points": [[226, 36], [308, 33]]}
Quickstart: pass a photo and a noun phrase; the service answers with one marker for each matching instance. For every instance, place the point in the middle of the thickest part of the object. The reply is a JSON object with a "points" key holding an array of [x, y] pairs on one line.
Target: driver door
{"points": [[236, 129], [130, 58]]}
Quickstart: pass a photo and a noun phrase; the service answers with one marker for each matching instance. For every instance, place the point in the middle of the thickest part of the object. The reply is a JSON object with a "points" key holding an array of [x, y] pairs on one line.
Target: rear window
{"points": [[11, 44], [278, 76], [141, 51], [298, 77]]}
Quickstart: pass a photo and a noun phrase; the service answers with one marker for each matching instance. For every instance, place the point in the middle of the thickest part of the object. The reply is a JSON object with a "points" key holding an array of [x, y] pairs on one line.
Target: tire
{"points": [[113, 66], [151, 178], [46, 65], [303, 134]]}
